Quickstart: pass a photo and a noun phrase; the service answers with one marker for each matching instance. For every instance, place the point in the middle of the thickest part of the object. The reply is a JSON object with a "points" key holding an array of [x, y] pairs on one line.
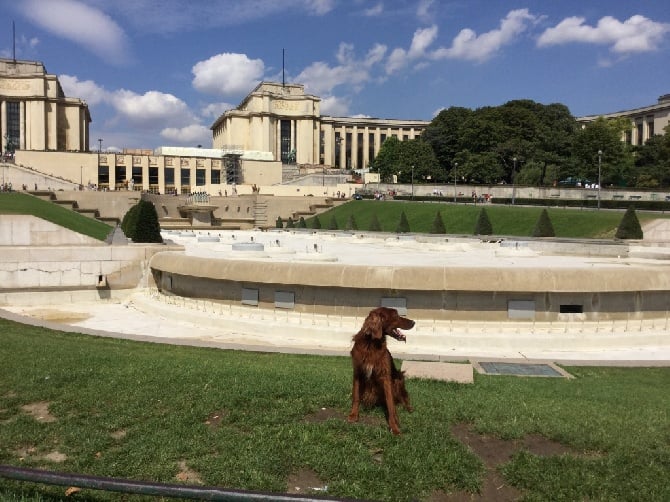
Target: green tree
{"points": [[387, 160], [147, 228], [483, 225], [629, 227], [351, 223], [438, 225], [129, 221], [302, 223], [444, 135], [543, 226], [374, 224], [279, 223], [333, 223], [403, 224], [290, 223]]}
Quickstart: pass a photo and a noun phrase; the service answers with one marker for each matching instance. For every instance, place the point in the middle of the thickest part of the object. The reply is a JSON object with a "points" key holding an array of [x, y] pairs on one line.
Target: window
{"points": [[103, 176], [200, 177], [571, 309], [12, 142], [169, 176], [216, 176], [185, 177]]}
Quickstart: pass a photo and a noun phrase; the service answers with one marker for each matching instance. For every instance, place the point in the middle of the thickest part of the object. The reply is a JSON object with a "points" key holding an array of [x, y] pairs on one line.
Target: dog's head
{"points": [[384, 321]]}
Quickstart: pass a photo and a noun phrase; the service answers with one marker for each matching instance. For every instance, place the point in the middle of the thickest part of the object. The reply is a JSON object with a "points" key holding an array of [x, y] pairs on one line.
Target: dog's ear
{"points": [[373, 325]]}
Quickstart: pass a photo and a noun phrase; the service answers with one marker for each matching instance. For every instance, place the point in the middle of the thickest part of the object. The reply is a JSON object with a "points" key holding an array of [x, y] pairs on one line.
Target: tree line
{"points": [[526, 143]]}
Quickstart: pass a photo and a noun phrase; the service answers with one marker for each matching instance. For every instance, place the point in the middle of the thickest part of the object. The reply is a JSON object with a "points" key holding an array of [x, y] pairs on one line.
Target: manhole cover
{"points": [[521, 369]]}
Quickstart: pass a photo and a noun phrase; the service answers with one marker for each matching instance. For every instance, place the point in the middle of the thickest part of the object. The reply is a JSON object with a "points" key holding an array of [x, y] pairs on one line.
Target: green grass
{"points": [[615, 420], [461, 218], [19, 203]]}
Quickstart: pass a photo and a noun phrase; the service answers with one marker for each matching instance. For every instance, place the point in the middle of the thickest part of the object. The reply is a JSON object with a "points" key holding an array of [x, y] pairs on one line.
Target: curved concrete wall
{"points": [[429, 292]]}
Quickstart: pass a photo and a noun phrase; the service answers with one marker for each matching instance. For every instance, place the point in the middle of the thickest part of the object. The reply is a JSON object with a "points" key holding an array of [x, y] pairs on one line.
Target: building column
{"points": [[3, 124], [22, 125]]}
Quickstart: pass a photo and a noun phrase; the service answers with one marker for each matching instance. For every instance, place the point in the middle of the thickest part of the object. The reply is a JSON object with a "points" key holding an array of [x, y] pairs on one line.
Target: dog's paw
{"points": [[352, 418]]}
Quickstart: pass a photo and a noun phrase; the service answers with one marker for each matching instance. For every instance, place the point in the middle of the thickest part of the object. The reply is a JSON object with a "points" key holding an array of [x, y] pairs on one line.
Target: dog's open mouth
{"points": [[398, 335]]}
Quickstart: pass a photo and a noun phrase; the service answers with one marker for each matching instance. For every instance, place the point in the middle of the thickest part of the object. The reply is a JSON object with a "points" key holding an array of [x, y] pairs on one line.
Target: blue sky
{"points": [[159, 72]]}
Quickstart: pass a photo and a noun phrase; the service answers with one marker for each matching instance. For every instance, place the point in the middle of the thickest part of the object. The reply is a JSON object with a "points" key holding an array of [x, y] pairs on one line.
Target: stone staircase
{"points": [[261, 213]]}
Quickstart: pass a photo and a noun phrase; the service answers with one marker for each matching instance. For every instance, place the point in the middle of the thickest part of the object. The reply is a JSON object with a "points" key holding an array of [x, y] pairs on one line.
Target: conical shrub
{"points": [[290, 223], [147, 228], [543, 226], [351, 223], [483, 226], [438, 225], [403, 224], [374, 224], [302, 223], [316, 223], [629, 227], [279, 223]]}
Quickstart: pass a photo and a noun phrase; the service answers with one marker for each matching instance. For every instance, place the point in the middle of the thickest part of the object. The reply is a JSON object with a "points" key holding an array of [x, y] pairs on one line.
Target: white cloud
{"points": [[422, 39], [227, 74], [334, 106], [82, 24], [424, 11], [375, 10], [151, 109], [636, 34], [214, 110], [87, 90], [472, 47], [194, 134]]}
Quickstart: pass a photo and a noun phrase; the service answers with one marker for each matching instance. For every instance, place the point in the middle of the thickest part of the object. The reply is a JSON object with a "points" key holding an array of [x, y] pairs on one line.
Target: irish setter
{"points": [[376, 379]]}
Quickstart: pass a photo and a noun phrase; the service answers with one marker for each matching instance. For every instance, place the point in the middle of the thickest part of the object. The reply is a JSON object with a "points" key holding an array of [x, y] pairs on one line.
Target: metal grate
{"points": [[520, 369]]}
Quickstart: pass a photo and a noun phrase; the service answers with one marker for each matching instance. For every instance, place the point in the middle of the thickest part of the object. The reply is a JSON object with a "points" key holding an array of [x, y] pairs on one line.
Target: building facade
{"points": [[35, 114], [283, 121], [646, 121]]}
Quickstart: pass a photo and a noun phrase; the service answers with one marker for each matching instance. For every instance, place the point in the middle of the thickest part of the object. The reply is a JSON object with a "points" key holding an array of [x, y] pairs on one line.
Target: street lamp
{"points": [[99, 145], [455, 167], [600, 161], [514, 181]]}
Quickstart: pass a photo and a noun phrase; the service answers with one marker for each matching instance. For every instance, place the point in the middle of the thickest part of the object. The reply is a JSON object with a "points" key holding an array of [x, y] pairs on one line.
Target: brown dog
{"points": [[376, 379]]}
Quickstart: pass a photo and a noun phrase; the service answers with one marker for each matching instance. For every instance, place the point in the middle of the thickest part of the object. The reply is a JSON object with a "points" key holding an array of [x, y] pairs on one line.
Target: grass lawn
{"points": [[20, 203], [242, 420], [461, 218]]}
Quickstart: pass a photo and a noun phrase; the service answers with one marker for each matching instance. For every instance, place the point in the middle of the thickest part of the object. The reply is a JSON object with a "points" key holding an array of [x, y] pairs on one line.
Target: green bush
{"points": [[129, 221], [438, 225], [483, 225], [316, 223], [333, 224], [279, 223], [403, 224], [290, 223], [302, 223], [351, 223], [629, 228], [147, 228], [374, 224], [543, 227]]}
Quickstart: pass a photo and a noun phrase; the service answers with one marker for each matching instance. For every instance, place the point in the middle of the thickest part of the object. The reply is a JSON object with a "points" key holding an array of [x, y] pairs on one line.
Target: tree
{"points": [[444, 134], [374, 224], [409, 160], [290, 223], [483, 225], [129, 221], [302, 223], [351, 223], [438, 225], [147, 228], [403, 224], [629, 227], [333, 223], [279, 223], [543, 227]]}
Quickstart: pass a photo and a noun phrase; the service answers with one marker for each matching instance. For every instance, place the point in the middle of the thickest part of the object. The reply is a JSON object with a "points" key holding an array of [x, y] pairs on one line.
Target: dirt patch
{"points": [[118, 435], [324, 414], [214, 419], [39, 411], [494, 452], [55, 456], [305, 481], [55, 315], [188, 475]]}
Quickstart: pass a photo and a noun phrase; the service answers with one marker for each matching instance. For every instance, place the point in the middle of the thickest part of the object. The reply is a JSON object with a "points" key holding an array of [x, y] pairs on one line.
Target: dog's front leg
{"points": [[390, 407], [355, 399]]}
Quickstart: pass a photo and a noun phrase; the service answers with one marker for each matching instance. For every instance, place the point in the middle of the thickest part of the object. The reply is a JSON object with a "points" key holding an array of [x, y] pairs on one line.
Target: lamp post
{"points": [[99, 145], [455, 167], [514, 181], [600, 161]]}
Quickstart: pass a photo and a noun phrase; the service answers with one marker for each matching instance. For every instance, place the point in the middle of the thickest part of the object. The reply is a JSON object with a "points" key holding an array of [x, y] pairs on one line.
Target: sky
{"points": [[159, 72]]}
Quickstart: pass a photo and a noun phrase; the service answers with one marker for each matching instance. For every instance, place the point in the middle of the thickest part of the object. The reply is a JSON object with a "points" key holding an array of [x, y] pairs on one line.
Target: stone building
{"points": [[35, 114], [280, 119], [646, 121]]}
